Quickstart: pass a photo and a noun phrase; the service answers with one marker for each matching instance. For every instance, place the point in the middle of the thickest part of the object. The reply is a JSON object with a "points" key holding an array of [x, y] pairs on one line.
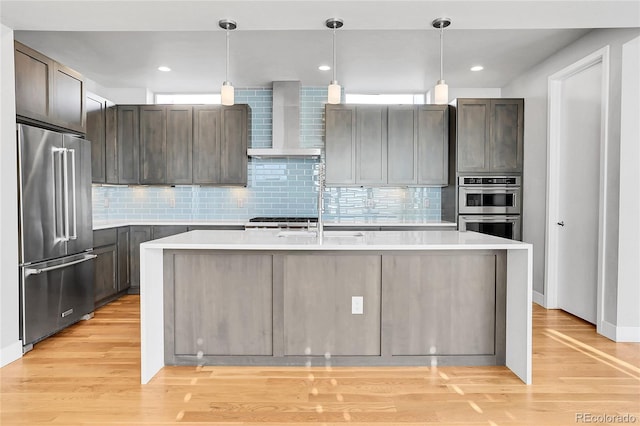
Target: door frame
{"points": [[553, 143]]}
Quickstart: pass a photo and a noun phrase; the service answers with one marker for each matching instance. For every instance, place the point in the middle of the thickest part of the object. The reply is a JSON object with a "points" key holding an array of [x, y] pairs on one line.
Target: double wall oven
{"points": [[490, 205]]}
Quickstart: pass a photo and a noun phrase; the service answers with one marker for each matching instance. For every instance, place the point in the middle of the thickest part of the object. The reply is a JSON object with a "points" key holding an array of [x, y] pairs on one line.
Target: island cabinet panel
{"points": [[222, 304], [441, 304], [318, 291]]}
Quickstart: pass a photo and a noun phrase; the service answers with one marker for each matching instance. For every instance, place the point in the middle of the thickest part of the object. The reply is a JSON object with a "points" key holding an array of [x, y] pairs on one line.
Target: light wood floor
{"points": [[89, 374]]}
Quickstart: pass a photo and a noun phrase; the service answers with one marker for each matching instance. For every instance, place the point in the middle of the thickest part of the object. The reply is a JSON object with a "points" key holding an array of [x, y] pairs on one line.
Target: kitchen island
{"points": [[272, 297]]}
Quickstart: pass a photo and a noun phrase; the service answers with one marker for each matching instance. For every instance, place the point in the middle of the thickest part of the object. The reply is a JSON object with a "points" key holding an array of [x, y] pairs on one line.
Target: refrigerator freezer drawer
{"points": [[55, 294]]}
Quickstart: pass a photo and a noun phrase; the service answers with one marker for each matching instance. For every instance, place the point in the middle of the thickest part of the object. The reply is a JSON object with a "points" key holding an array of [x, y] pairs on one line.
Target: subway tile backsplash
{"points": [[276, 186]]}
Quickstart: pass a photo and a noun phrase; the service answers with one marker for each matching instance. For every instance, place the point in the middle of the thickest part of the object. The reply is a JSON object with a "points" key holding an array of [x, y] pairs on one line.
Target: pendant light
{"points": [[335, 90], [441, 90], [226, 93]]}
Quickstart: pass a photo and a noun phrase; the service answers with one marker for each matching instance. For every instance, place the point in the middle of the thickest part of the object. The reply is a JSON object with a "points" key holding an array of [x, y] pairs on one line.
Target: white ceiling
{"points": [[384, 47]]}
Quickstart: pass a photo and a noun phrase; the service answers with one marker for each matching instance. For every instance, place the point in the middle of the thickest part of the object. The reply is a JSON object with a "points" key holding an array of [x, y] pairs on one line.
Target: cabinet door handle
{"points": [[561, 223]]}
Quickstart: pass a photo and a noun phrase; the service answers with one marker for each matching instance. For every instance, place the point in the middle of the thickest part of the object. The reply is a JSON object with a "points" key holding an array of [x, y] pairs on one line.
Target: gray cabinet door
{"points": [[206, 144], [233, 145], [506, 135], [433, 144], [473, 133], [440, 304], [318, 292], [179, 144], [401, 146], [105, 272], [371, 144], [340, 144], [96, 133], [128, 144], [111, 143], [34, 84], [138, 235], [153, 144], [124, 276], [222, 304], [69, 98]]}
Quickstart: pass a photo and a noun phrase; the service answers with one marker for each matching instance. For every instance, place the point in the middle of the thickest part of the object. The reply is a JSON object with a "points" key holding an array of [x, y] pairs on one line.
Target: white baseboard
{"points": [[10, 353], [538, 298], [620, 334]]}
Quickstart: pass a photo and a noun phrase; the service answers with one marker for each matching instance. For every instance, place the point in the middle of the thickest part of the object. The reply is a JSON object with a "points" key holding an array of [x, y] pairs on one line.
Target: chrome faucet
{"points": [[321, 186]]}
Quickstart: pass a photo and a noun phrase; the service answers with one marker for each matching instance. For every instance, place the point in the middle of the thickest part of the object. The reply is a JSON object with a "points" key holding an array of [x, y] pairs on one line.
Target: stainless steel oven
{"points": [[505, 226], [489, 195], [490, 205]]}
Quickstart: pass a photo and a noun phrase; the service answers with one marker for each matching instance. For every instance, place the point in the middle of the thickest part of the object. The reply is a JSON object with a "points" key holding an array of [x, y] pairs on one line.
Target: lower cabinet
{"points": [[137, 236], [111, 246]]}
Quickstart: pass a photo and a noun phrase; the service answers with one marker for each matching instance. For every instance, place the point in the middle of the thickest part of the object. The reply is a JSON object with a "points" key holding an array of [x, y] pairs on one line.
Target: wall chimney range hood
{"points": [[286, 124]]}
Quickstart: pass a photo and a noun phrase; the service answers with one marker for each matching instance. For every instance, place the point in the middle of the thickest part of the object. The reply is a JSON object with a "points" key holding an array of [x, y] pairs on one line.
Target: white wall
{"points": [[533, 87], [466, 92], [628, 324], [10, 345], [121, 96]]}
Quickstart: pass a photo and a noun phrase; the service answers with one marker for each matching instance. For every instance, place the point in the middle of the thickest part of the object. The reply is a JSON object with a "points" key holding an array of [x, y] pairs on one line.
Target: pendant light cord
{"points": [[334, 51], [441, 49], [226, 72]]}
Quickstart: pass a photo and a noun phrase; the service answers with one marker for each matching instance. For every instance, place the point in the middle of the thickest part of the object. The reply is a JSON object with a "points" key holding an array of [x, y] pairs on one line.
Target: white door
{"points": [[578, 192]]}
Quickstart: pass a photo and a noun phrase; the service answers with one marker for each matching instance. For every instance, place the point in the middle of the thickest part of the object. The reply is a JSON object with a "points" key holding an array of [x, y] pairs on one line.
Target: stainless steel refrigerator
{"points": [[56, 237]]}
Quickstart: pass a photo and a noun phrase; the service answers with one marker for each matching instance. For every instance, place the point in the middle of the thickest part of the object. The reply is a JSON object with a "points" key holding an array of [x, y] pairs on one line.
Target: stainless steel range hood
{"points": [[286, 124]]}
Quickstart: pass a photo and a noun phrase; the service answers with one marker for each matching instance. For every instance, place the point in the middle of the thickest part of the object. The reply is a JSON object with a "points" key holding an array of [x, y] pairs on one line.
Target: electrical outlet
{"points": [[371, 202], [172, 202], [357, 305], [427, 203], [240, 203], [106, 203]]}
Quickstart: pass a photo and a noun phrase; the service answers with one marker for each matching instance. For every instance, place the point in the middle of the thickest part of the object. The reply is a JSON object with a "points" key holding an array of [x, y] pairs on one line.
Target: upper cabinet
{"points": [[490, 135], [168, 144], [379, 145], [101, 133], [47, 91]]}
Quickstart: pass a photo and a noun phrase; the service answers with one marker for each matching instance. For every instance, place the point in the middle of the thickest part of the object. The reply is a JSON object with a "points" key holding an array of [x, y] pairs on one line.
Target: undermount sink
{"points": [[296, 234], [343, 234], [326, 234]]}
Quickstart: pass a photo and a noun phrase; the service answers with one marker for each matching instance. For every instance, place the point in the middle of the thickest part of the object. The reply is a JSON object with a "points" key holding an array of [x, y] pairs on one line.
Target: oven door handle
{"points": [[490, 218]]}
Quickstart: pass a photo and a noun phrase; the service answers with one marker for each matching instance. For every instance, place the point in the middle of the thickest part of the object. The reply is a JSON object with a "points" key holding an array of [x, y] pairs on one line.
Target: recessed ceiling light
{"points": [[164, 68], [324, 67], [477, 68]]}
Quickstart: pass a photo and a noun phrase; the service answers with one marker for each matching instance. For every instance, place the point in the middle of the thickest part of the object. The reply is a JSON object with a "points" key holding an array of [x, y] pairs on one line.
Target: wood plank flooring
{"points": [[89, 374]]}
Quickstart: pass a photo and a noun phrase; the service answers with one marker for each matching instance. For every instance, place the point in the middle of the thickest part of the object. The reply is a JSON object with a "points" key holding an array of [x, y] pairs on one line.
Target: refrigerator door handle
{"points": [[35, 271], [74, 234], [58, 192], [65, 174]]}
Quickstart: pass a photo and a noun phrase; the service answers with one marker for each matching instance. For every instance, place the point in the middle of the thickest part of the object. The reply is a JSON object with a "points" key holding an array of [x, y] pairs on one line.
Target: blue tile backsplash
{"points": [[276, 186]]}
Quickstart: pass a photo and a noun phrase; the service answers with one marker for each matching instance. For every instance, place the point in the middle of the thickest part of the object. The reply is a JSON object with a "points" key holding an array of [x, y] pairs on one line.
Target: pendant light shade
{"points": [[335, 91], [227, 92], [441, 89]]}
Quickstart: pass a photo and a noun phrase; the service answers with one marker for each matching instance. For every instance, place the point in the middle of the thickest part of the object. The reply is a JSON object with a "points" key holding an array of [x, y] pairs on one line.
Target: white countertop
{"points": [[267, 239], [114, 223], [373, 222]]}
